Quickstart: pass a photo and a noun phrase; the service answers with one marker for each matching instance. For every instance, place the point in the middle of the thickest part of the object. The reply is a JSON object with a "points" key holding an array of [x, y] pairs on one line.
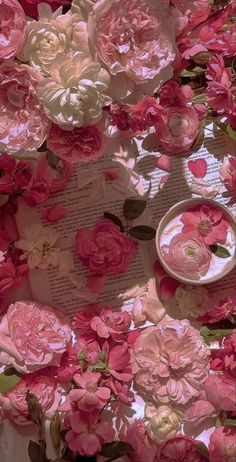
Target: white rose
{"points": [[73, 95], [163, 422], [192, 301]]}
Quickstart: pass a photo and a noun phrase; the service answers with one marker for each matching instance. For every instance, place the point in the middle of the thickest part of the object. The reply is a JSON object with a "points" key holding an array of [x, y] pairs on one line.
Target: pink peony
{"points": [[180, 448], [78, 145], [220, 391], [88, 433], [228, 174], [13, 28], [222, 447], [23, 123], [109, 323], [33, 336], [171, 362], [90, 395], [187, 255], [144, 447], [207, 223], [105, 248], [177, 129], [43, 385]]}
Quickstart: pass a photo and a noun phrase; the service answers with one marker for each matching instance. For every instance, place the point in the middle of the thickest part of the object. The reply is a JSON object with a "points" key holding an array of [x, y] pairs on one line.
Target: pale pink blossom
{"points": [[13, 28], [105, 248], [163, 162], [137, 435], [90, 395], [111, 324], [23, 123], [54, 213], [180, 448], [33, 336], [228, 174], [171, 362], [198, 167], [200, 411], [222, 447], [88, 433]]}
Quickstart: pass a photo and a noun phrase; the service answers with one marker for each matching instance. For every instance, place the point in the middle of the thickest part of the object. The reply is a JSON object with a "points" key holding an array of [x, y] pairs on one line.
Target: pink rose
{"points": [[222, 447], [109, 323], [177, 129], [228, 174], [220, 391], [90, 395], [33, 336], [23, 123], [105, 248], [180, 448], [43, 385], [78, 145], [144, 447], [13, 28], [187, 255]]}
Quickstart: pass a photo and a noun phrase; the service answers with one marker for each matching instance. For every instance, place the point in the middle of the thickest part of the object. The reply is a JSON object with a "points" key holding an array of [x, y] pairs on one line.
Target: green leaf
{"points": [[231, 132], [202, 449], [219, 251], [8, 380], [133, 208], [230, 423], [116, 449], [53, 160], [3, 199], [198, 70], [114, 219], [186, 73], [34, 408], [55, 430], [142, 232]]}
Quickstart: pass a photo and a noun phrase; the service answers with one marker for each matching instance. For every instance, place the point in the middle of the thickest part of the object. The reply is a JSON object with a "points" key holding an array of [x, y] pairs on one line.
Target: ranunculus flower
{"points": [[222, 447], [137, 435], [13, 27], [33, 336], [171, 362], [110, 323], [187, 255], [105, 248], [164, 422], [228, 174], [43, 385], [177, 129], [192, 300], [180, 448], [79, 145], [90, 395], [23, 123], [79, 103]]}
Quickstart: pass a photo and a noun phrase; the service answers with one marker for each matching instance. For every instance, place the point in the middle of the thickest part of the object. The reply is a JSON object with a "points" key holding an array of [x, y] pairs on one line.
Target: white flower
{"points": [[163, 422], [73, 95], [192, 301]]}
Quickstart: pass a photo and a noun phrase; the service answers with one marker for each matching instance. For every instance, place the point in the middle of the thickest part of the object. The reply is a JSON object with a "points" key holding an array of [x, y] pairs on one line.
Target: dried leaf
{"points": [[3, 199], [8, 380], [55, 430], [116, 449], [34, 408], [114, 219], [142, 232], [202, 449], [133, 208]]}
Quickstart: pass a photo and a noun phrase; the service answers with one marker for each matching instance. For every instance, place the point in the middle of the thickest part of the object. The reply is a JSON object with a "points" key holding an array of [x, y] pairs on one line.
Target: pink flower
{"points": [[200, 411], [228, 174], [11, 274], [173, 94], [105, 248], [216, 69], [31, 6], [118, 361], [33, 336], [88, 433], [55, 213], [43, 385], [23, 123], [78, 145], [13, 28], [224, 359], [171, 362], [185, 16], [90, 395], [180, 448], [224, 309], [109, 323], [83, 318], [187, 255], [219, 97], [207, 223], [222, 446], [220, 391], [198, 167], [132, 38], [163, 162], [121, 391], [177, 128], [144, 447]]}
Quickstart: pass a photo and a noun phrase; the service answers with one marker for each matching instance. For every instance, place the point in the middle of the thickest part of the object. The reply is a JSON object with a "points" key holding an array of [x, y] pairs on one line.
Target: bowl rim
{"points": [[164, 220]]}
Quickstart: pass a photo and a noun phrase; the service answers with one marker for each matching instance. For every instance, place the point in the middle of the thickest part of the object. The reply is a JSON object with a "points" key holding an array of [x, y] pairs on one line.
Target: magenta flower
{"points": [[224, 309], [207, 223], [118, 361], [224, 359], [111, 324], [180, 448], [90, 395]]}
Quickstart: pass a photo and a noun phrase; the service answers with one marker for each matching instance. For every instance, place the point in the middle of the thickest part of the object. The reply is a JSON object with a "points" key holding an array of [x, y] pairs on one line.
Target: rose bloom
{"points": [[110, 323], [43, 385], [171, 362], [79, 145], [180, 448], [187, 255], [105, 248], [23, 123], [177, 129], [137, 435], [222, 447], [13, 27], [228, 174], [33, 336], [164, 422], [192, 301]]}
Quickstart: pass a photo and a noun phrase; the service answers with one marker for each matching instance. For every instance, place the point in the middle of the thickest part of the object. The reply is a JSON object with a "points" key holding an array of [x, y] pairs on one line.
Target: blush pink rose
{"points": [[23, 123], [33, 336], [187, 255], [43, 385], [13, 28], [105, 248], [177, 129], [228, 174], [90, 395], [144, 447], [180, 448], [78, 145], [111, 324], [222, 447]]}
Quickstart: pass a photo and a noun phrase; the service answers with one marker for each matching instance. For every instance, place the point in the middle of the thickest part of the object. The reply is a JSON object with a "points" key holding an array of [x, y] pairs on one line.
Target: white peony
{"points": [[73, 95], [163, 422], [192, 301]]}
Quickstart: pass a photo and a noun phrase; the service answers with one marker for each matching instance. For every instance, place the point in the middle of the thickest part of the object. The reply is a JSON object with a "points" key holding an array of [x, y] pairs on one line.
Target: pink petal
{"points": [[55, 213], [163, 163], [168, 286], [198, 167]]}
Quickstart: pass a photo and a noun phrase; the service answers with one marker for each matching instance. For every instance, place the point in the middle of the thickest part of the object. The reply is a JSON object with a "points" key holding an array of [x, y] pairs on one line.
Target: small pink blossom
{"points": [[228, 174], [163, 162], [120, 391], [173, 94], [222, 446], [11, 274], [90, 395], [180, 448], [144, 447], [207, 223], [224, 309], [54, 213], [198, 167], [83, 318], [219, 97], [109, 323], [118, 361], [13, 28]]}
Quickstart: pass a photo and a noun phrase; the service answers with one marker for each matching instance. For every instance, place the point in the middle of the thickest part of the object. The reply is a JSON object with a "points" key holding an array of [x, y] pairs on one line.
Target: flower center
{"points": [[189, 251], [46, 248], [91, 387], [204, 227]]}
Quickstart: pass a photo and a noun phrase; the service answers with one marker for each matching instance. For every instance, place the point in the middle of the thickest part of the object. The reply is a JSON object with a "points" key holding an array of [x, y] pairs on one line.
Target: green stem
{"points": [[18, 157]]}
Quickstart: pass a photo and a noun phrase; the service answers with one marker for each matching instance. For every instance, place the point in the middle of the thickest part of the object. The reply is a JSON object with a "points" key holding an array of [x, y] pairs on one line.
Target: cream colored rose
{"points": [[73, 95], [163, 422], [192, 301]]}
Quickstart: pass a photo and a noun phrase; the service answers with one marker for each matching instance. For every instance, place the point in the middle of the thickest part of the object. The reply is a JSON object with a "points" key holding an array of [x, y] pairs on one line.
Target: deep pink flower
{"points": [[11, 274], [180, 448], [168, 286], [224, 309], [224, 359], [90, 395], [207, 223], [88, 433], [185, 15], [220, 391], [219, 97], [110, 323], [118, 361], [198, 167], [144, 447], [216, 69], [121, 391], [13, 28], [222, 447], [174, 95], [31, 6], [105, 248], [54, 213], [228, 174], [86, 350], [83, 318]]}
